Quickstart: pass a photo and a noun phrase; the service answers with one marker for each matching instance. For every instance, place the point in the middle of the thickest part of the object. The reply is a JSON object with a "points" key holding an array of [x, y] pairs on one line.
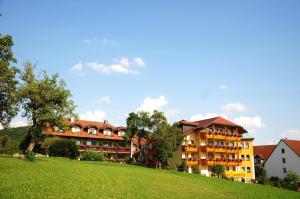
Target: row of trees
{"points": [[164, 137], [42, 99]]}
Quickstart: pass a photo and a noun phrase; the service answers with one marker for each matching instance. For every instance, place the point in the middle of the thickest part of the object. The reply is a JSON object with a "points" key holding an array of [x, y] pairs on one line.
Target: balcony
{"points": [[216, 136], [234, 174], [192, 162], [192, 149], [105, 149], [221, 161]]}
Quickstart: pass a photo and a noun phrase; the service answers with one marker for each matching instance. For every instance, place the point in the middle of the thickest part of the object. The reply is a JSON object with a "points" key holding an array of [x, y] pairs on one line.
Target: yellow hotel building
{"points": [[217, 141]]}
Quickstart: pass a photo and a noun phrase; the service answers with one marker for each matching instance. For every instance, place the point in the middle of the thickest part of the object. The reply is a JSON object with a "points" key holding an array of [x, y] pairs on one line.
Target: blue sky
{"points": [[191, 59]]}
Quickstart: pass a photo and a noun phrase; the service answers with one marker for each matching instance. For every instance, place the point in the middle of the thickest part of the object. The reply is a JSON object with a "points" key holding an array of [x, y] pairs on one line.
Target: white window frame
{"points": [[89, 142], [92, 131], [75, 129], [78, 142], [107, 132]]}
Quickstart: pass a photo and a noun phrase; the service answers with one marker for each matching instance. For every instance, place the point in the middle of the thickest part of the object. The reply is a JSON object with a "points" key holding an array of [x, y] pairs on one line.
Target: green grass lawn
{"points": [[64, 178]]}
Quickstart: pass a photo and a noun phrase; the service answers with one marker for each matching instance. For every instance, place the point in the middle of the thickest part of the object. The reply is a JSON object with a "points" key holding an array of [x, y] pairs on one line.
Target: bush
{"points": [[92, 156], [47, 143], [30, 156], [64, 148], [196, 170], [182, 167]]}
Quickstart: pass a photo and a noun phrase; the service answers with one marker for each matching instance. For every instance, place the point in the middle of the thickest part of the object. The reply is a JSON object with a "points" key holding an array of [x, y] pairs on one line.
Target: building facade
{"points": [[284, 158], [216, 141], [96, 136], [262, 152]]}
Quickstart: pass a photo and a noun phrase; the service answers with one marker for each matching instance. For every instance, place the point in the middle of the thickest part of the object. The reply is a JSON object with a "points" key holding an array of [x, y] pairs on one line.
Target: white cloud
{"points": [[172, 112], [138, 61], [105, 100], [223, 87], [234, 107], [150, 104], [96, 115], [250, 123], [77, 69], [293, 134], [96, 40], [123, 66], [206, 116]]}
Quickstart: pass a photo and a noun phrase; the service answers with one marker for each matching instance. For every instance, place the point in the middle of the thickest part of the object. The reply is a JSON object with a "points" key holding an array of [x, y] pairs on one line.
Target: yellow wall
{"points": [[250, 163]]}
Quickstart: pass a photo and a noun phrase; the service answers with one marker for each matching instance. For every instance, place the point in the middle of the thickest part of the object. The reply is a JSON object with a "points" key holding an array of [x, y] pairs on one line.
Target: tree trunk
{"points": [[30, 146]]}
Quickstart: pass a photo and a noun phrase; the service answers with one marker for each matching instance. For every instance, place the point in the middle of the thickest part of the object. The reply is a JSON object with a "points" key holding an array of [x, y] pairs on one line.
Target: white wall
{"points": [[274, 165]]}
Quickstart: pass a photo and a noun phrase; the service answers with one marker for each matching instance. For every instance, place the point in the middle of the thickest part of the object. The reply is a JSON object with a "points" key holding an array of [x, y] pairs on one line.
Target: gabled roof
{"points": [[294, 145], [263, 151], [86, 124], [207, 122]]}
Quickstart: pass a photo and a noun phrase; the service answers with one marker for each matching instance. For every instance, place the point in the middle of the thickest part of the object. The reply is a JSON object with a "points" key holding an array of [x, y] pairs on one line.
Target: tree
{"points": [[8, 82], [139, 124], [291, 181], [260, 174], [45, 101], [218, 170], [166, 139]]}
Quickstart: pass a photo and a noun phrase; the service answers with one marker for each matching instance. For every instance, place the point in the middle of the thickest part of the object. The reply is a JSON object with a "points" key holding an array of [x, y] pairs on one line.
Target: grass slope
{"points": [[64, 178]]}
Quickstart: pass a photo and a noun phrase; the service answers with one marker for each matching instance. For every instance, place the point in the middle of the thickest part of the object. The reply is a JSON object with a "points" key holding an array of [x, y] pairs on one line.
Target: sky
{"points": [[190, 59]]}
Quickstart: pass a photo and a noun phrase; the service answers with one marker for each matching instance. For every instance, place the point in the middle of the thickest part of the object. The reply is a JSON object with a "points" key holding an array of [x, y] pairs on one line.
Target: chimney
{"points": [[72, 119], [105, 122]]}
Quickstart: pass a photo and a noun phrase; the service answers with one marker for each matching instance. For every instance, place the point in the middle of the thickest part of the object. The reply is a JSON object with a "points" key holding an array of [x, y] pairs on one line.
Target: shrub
{"points": [[92, 156], [64, 148], [182, 167], [30, 156], [218, 170], [47, 143], [196, 170]]}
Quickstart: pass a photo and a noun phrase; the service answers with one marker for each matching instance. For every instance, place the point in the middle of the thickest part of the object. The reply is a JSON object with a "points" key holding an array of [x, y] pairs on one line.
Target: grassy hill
{"points": [[64, 178]]}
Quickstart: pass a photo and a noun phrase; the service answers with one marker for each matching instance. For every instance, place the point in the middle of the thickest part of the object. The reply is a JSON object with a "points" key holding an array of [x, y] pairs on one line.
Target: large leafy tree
{"points": [[139, 124], [8, 82], [45, 101]]}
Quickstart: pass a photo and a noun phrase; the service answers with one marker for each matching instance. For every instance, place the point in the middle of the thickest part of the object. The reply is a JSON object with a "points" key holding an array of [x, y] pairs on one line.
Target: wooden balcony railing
{"points": [[221, 161], [105, 149], [235, 174], [192, 162], [223, 136]]}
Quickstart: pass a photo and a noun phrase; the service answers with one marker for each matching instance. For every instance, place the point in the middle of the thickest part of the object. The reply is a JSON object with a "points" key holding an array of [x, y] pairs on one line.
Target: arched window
{"points": [[92, 131], [75, 129], [107, 132], [121, 133]]}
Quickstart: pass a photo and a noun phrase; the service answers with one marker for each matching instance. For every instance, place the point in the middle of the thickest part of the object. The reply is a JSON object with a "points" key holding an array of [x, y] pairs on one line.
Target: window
{"points": [[77, 142], [283, 160], [89, 142], [284, 170], [192, 142], [227, 168], [247, 145], [242, 145], [282, 151], [243, 169], [75, 129], [92, 131], [210, 155], [243, 157], [121, 133], [248, 170], [107, 132], [233, 169], [247, 157]]}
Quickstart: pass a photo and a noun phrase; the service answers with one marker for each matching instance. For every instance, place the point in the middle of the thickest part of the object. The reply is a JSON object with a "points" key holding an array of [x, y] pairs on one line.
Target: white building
{"points": [[284, 158]]}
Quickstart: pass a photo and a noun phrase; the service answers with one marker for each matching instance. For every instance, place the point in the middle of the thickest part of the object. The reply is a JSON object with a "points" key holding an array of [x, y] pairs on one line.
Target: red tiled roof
{"points": [[294, 145], [263, 151], [207, 122], [84, 134], [135, 140]]}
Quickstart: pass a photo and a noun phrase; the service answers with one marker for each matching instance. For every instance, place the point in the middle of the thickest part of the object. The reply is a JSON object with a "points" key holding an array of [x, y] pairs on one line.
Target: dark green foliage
{"points": [[218, 170], [64, 148], [196, 170], [30, 156], [291, 181], [260, 174], [92, 156], [8, 83], [182, 167]]}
